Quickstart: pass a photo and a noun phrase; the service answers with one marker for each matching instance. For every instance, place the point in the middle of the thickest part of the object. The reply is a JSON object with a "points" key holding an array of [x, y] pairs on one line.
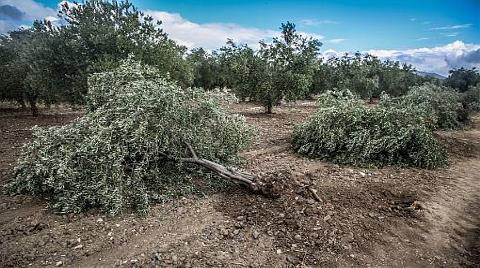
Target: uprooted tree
{"points": [[347, 131], [440, 107], [142, 140]]}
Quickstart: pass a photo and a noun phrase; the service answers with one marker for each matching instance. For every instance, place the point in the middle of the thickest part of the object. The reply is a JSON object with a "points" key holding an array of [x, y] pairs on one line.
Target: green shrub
{"points": [[471, 98], [346, 131], [440, 107], [113, 158]]}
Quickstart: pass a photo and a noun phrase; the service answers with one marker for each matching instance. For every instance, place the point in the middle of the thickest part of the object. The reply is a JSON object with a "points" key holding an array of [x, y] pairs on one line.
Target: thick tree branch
{"points": [[228, 174], [224, 172], [192, 151]]}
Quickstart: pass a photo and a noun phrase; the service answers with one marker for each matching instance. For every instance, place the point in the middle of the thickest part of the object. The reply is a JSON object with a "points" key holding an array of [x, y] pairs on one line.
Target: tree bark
{"points": [[269, 108], [33, 106], [226, 173], [230, 174]]}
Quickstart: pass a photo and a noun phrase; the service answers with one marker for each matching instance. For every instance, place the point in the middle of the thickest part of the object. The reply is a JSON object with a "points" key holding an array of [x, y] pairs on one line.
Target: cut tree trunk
{"points": [[250, 181], [226, 173]]}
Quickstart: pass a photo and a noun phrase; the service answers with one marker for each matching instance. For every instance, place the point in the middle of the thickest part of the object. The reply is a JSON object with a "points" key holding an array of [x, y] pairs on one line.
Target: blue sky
{"points": [[433, 35], [386, 24]]}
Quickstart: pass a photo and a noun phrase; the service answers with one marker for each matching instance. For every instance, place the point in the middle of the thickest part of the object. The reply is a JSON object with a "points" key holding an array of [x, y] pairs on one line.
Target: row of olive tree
{"points": [[365, 75], [289, 68], [51, 63], [279, 70], [274, 73]]}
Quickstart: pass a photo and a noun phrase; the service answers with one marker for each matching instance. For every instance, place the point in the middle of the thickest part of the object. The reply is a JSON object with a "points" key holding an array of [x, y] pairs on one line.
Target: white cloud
{"points": [[436, 59], [451, 34], [52, 18], [336, 40], [212, 35], [31, 9], [413, 19], [330, 53], [307, 34], [312, 22], [452, 27], [422, 38], [209, 35]]}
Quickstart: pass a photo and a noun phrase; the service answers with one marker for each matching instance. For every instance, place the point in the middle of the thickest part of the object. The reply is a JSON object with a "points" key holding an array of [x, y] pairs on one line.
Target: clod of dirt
{"points": [[255, 234]]}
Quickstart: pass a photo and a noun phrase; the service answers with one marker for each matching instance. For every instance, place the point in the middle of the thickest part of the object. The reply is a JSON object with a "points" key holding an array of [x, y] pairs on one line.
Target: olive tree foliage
{"points": [[243, 70], [206, 69], [366, 75], [462, 79], [142, 140], [439, 106], [51, 66], [92, 37], [471, 98], [356, 73], [280, 70], [28, 61], [347, 131], [12, 71], [289, 62], [109, 31]]}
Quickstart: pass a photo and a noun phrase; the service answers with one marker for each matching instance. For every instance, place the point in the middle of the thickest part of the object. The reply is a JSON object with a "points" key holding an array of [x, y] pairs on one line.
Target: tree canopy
{"points": [[365, 75], [462, 79], [93, 36]]}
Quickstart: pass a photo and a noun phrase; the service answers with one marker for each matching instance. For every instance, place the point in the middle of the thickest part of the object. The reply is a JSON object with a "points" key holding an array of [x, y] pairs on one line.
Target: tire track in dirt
{"points": [[449, 233], [453, 214]]}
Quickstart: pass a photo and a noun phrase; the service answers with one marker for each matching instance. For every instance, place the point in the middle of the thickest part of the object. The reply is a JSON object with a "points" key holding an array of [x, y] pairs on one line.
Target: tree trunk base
{"points": [[33, 108], [236, 176]]}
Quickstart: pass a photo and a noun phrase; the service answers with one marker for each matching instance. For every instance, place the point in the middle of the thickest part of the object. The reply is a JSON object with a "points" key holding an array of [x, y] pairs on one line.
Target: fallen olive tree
{"points": [[142, 140], [347, 131], [440, 107]]}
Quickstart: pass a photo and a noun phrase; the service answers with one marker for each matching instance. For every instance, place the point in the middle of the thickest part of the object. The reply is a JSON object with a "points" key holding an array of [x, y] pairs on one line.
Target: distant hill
{"points": [[427, 74]]}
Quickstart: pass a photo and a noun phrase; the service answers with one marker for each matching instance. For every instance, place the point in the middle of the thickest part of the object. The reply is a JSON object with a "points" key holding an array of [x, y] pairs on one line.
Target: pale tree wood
{"points": [[236, 176]]}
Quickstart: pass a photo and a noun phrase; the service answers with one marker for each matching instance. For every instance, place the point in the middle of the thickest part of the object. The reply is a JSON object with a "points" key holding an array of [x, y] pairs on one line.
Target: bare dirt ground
{"points": [[357, 217]]}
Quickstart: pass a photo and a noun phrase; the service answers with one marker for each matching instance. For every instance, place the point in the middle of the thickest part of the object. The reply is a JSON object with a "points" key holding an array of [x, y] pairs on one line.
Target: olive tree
{"points": [[142, 140], [243, 70], [471, 98], [109, 31], [12, 73], [462, 79], [51, 63], [366, 75], [289, 63], [439, 106], [26, 59], [347, 131], [206, 69]]}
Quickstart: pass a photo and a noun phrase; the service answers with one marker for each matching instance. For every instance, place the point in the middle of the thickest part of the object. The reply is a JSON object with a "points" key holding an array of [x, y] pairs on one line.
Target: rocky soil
{"points": [[325, 215]]}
